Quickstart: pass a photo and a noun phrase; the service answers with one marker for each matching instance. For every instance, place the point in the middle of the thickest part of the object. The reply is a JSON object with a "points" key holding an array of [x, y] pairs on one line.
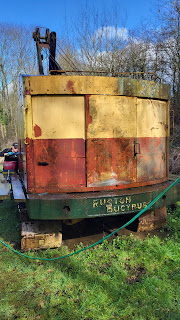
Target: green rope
{"points": [[98, 242]]}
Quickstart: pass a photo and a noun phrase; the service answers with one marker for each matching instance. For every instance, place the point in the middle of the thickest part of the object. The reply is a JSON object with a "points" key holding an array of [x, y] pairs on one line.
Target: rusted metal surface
{"points": [[95, 204], [110, 151], [137, 75], [152, 133], [65, 160], [83, 85], [151, 161], [112, 117], [55, 143], [30, 165], [84, 142], [110, 162], [41, 235], [117, 161], [123, 139], [152, 118], [20, 129], [152, 220], [142, 75], [144, 89], [56, 164], [82, 189]]}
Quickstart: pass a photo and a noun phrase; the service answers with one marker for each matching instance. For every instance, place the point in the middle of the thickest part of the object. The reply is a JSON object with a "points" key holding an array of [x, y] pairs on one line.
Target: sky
{"points": [[56, 14]]}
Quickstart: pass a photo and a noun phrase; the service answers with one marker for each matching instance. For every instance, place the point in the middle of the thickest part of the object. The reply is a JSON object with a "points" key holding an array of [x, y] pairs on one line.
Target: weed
{"points": [[127, 279]]}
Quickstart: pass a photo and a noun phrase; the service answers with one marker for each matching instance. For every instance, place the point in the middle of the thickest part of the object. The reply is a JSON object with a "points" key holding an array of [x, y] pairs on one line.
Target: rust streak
{"points": [[27, 91], [88, 116], [70, 86]]}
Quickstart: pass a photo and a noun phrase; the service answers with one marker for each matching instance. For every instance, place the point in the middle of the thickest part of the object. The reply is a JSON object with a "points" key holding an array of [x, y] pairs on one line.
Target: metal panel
{"points": [[96, 204], [111, 117], [152, 118], [151, 162], [152, 132], [59, 163], [110, 162], [111, 124], [58, 117], [18, 192], [111, 129], [144, 89], [56, 145], [83, 85]]}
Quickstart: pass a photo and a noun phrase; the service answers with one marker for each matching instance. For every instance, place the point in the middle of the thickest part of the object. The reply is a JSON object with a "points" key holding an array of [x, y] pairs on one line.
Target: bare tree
{"points": [[167, 42], [17, 55], [96, 41]]}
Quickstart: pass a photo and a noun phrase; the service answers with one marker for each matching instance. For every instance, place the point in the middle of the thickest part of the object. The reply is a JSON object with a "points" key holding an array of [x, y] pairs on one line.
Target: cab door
{"points": [[58, 142], [152, 139], [111, 132]]}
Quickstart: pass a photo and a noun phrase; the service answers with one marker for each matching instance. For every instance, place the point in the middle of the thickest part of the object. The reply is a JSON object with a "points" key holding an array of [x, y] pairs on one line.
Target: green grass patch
{"points": [[126, 279]]}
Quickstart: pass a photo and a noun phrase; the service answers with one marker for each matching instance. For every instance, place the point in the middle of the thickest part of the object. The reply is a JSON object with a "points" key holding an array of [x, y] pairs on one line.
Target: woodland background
{"points": [[97, 42]]}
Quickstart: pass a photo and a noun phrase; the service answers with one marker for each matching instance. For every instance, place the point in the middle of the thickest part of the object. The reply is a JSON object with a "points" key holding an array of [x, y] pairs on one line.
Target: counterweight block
{"points": [[41, 234]]}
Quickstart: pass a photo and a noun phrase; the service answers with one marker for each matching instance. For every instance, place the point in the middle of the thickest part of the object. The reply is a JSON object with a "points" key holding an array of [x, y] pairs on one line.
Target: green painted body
{"points": [[98, 204]]}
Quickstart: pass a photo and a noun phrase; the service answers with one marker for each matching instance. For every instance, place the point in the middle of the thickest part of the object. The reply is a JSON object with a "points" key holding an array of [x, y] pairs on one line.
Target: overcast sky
{"points": [[53, 14]]}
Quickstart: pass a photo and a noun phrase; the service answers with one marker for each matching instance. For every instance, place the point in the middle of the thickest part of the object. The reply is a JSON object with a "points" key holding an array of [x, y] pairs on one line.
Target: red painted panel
{"points": [[30, 164], [110, 162], [102, 188], [151, 162], [112, 158], [57, 163]]}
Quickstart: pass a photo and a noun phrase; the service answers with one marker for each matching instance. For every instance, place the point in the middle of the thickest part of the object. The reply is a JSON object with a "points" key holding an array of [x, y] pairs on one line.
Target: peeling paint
{"points": [[110, 182], [70, 86], [144, 89], [89, 140], [37, 131]]}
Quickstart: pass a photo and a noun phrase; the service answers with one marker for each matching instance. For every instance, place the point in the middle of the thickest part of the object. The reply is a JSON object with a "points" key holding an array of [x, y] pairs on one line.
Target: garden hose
{"points": [[98, 242]]}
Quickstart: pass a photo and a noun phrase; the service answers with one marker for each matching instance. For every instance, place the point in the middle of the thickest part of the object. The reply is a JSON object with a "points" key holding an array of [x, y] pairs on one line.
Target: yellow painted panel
{"points": [[71, 85], [27, 117], [112, 117], [58, 117], [152, 118]]}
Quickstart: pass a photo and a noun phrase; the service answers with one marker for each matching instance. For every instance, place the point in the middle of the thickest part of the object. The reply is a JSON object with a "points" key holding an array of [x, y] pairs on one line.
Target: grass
{"points": [[126, 279]]}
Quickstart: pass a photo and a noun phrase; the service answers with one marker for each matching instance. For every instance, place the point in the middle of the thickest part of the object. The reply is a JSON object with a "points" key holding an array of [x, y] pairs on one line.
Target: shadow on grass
{"points": [[10, 223]]}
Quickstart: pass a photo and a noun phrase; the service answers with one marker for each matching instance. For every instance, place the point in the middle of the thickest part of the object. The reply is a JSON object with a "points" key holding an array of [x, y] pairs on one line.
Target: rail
{"points": [[134, 75]]}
